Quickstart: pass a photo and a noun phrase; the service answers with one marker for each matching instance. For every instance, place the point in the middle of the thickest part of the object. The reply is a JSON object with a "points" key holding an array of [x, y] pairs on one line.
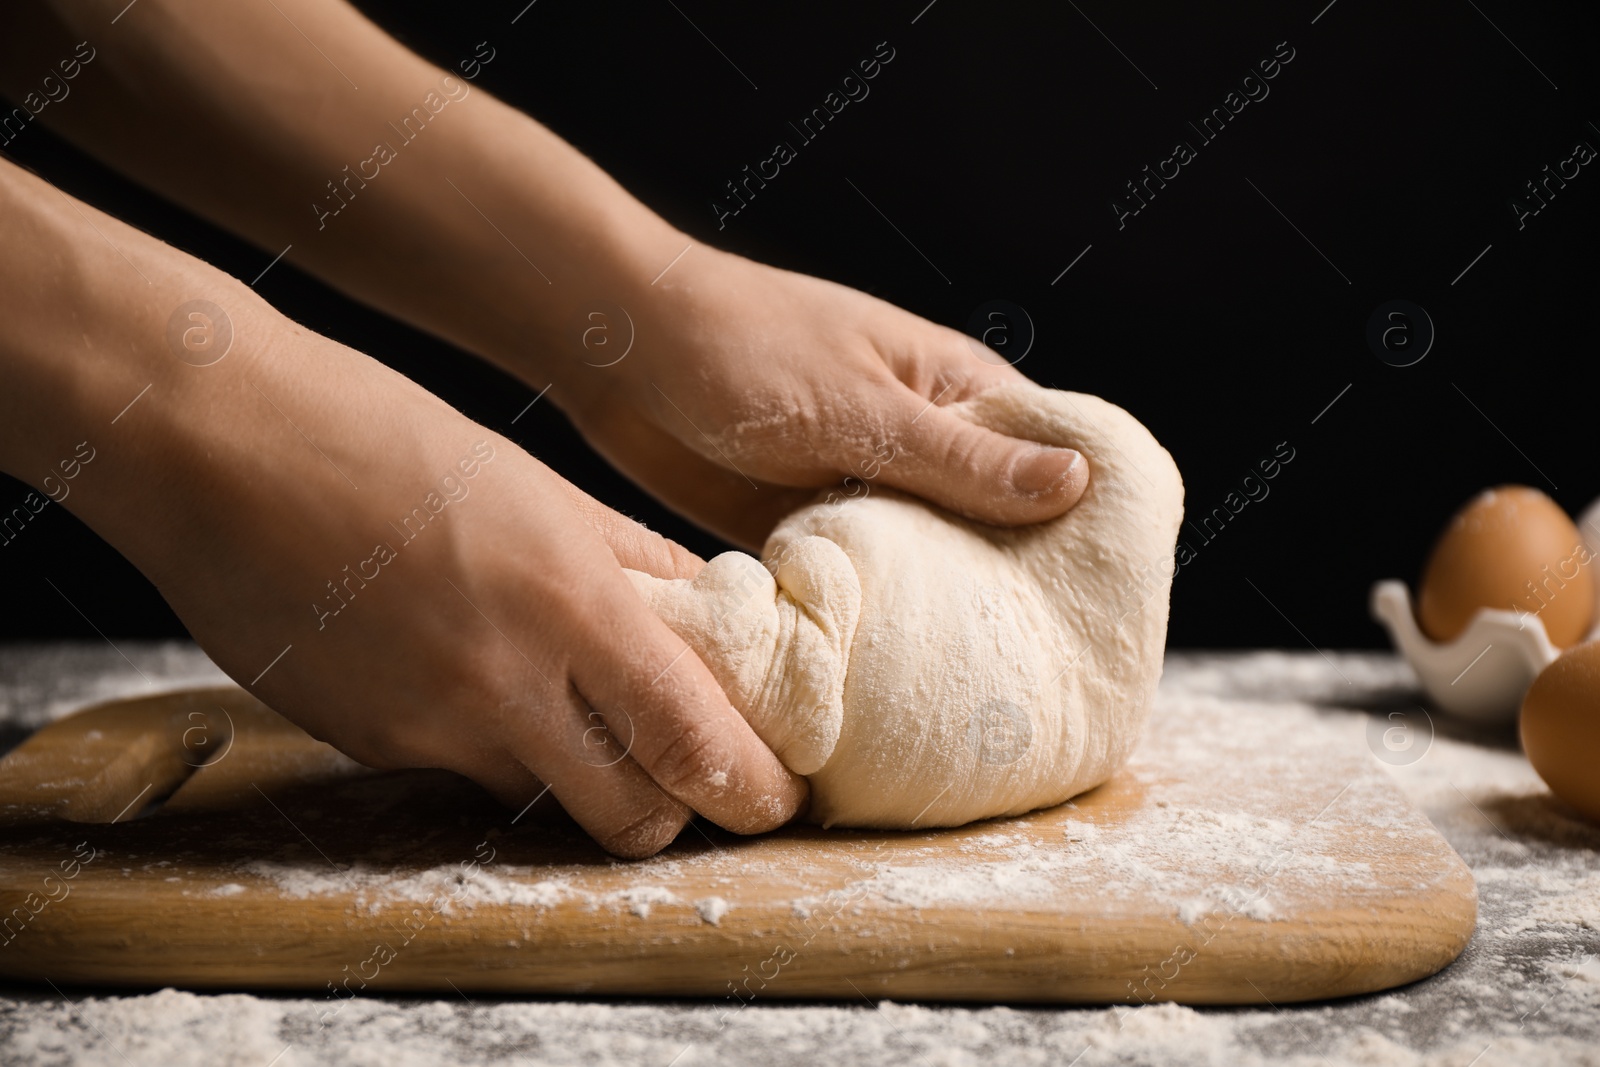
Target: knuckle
{"points": [[686, 761], [646, 833], [964, 453]]}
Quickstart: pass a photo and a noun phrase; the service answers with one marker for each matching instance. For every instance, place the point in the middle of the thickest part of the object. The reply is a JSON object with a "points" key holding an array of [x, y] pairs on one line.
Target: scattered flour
{"points": [[39, 684], [1525, 994], [1275, 845], [712, 909], [376, 888], [640, 899], [171, 1028]]}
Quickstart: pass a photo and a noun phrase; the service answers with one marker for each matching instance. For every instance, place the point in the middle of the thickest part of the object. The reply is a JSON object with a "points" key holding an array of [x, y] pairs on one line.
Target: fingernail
{"points": [[1045, 470]]}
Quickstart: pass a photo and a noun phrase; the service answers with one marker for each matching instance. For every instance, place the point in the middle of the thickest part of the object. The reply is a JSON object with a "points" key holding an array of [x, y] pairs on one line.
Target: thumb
{"points": [[982, 474]]}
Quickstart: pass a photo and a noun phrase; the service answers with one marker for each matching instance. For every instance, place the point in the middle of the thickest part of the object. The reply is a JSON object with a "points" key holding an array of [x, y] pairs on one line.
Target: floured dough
{"points": [[925, 670]]}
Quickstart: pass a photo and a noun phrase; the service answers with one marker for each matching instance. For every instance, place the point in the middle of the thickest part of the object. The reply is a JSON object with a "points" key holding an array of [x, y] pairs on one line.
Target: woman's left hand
{"points": [[748, 387]]}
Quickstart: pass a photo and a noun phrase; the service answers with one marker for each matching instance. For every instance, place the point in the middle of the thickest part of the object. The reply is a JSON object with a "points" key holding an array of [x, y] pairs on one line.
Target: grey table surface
{"points": [[1525, 992]]}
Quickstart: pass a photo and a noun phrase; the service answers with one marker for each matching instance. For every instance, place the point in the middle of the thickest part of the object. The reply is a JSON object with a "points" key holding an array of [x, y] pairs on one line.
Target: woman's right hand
{"points": [[398, 580], [444, 598]]}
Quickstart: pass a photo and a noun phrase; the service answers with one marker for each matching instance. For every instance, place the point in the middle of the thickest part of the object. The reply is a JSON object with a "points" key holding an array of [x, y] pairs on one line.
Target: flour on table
{"points": [[1525, 994], [712, 909]]}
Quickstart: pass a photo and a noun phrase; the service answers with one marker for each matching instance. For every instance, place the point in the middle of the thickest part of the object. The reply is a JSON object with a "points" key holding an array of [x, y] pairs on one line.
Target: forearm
{"points": [[145, 390], [415, 192], [85, 302]]}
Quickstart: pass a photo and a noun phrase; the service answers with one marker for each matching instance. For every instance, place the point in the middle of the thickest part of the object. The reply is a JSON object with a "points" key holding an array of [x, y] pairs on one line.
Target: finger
{"points": [[636, 546], [583, 768], [584, 759], [979, 473], [632, 822], [966, 468], [943, 364], [685, 734]]}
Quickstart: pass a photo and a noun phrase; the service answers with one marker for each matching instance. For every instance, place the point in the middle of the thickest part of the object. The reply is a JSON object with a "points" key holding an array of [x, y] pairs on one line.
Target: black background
{"points": [[996, 140]]}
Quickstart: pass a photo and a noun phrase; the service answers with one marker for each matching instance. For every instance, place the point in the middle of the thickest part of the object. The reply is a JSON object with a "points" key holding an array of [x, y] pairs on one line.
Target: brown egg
{"points": [[1561, 727], [1511, 548]]}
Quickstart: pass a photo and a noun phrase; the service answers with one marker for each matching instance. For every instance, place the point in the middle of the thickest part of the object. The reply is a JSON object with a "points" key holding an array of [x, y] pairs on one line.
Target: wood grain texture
{"points": [[1234, 862]]}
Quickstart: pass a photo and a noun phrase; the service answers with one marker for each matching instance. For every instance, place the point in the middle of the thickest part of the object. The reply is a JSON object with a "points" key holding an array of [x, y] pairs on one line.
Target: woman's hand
{"points": [[398, 580], [748, 387], [445, 599]]}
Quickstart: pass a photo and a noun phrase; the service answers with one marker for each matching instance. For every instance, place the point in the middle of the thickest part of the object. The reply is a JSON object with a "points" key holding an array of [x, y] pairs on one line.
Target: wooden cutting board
{"points": [[197, 839]]}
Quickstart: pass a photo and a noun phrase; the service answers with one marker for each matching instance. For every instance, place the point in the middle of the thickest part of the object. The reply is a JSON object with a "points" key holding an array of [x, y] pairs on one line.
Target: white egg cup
{"points": [[1480, 675], [1483, 673]]}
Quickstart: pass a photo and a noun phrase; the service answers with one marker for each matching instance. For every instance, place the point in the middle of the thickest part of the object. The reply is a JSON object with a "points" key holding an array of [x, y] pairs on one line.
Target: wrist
{"points": [[651, 310], [546, 258]]}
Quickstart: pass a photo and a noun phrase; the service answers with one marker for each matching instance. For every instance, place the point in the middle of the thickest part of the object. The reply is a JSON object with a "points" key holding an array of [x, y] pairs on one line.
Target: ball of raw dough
{"points": [[926, 670]]}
